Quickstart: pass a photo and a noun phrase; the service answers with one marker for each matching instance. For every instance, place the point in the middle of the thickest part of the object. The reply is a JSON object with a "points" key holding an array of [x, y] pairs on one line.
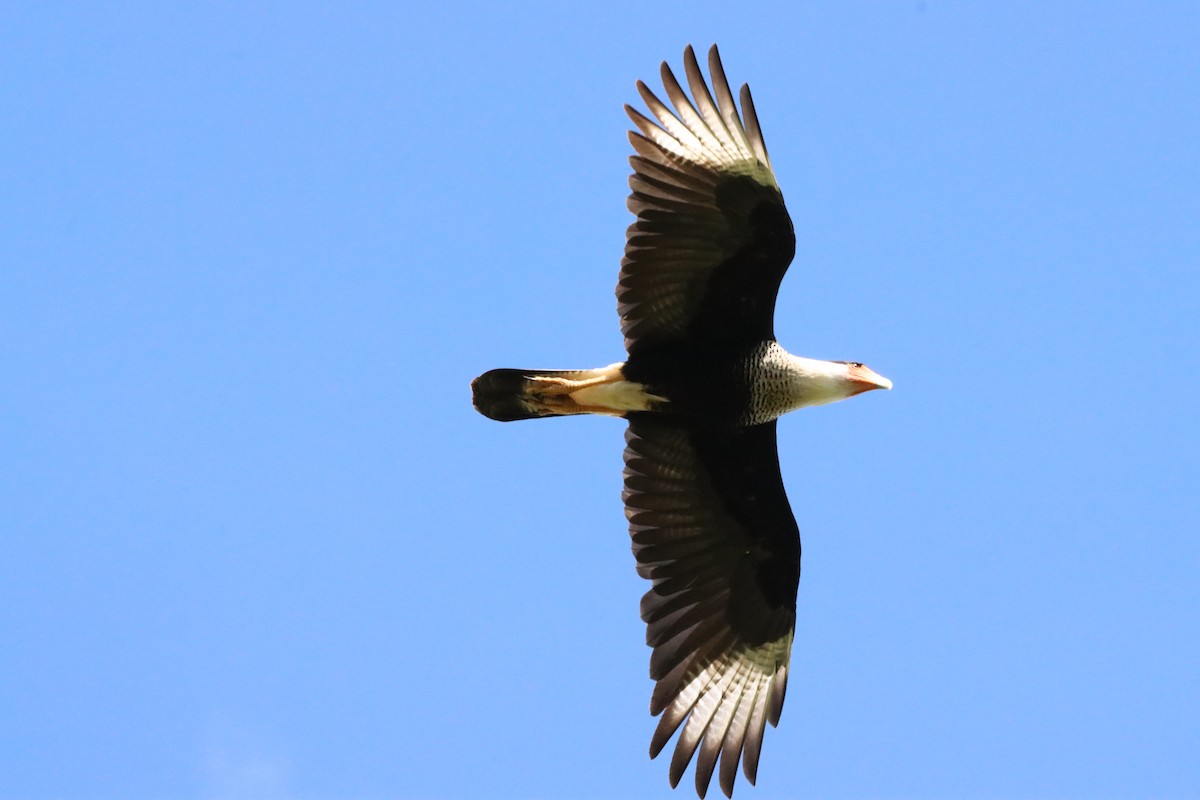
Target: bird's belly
{"points": [[704, 383]]}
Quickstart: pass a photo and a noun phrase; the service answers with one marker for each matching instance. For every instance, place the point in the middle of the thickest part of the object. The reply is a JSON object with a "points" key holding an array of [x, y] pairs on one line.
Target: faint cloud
{"points": [[239, 763]]}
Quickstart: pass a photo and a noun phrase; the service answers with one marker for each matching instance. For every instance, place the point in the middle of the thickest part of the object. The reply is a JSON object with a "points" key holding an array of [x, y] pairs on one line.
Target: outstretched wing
{"points": [[712, 238], [712, 528]]}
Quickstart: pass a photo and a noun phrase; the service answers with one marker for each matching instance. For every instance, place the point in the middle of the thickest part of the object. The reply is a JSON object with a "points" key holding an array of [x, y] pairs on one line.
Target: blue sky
{"points": [[257, 544]]}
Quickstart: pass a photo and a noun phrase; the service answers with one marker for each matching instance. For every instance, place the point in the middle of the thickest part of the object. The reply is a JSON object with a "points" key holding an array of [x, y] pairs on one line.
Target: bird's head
{"points": [[859, 378], [818, 382]]}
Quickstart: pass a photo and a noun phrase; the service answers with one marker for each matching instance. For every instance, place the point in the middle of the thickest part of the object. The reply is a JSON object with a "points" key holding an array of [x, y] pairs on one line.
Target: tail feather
{"points": [[512, 394], [500, 395], [508, 394]]}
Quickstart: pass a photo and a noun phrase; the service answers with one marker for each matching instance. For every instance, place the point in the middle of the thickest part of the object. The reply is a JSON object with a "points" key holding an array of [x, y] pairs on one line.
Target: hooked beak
{"points": [[864, 379]]}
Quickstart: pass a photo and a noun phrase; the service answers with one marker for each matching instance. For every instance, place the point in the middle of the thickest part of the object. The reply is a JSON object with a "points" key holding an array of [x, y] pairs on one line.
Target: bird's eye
{"points": [[857, 365]]}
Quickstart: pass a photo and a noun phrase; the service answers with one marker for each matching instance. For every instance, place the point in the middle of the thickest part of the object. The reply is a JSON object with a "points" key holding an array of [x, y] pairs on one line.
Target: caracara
{"points": [[701, 388]]}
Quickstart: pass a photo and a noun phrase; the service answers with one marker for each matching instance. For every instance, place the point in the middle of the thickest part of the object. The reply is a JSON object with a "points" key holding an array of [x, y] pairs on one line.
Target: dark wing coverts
{"points": [[712, 238], [708, 515]]}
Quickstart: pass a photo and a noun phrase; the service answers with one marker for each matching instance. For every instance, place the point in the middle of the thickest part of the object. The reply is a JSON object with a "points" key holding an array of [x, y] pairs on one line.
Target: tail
{"points": [[512, 394]]}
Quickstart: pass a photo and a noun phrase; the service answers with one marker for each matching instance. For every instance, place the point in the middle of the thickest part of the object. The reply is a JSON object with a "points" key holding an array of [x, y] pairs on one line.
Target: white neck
{"points": [[784, 382]]}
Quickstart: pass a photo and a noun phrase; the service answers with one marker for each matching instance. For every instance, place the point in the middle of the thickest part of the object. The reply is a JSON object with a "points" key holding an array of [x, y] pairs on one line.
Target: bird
{"points": [[702, 386]]}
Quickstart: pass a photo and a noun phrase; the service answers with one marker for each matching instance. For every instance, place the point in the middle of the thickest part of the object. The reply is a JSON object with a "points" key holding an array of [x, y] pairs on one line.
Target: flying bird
{"points": [[702, 386]]}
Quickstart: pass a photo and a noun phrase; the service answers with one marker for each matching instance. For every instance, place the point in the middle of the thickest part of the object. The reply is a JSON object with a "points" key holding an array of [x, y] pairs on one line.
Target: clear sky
{"points": [[257, 544]]}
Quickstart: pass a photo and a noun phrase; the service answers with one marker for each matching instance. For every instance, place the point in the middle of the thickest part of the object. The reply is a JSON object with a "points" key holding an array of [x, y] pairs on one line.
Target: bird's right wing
{"points": [[712, 238], [711, 527]]}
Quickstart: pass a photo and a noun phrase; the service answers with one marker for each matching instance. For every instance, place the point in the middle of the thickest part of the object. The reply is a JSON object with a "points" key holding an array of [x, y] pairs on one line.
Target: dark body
{"points": [[709, 384]]}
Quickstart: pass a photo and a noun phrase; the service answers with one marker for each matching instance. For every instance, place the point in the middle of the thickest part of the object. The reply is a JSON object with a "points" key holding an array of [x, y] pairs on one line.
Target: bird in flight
{"points": [[702, 386]]}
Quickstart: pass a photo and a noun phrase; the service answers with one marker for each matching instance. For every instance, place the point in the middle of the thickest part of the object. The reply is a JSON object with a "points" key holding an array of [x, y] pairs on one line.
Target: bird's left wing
{"points": [[712, 239], [711, 527]]}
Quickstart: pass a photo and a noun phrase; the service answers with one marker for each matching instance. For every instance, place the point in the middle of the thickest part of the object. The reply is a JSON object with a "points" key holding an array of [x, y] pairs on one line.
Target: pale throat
{"points": [[783, 382]]}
